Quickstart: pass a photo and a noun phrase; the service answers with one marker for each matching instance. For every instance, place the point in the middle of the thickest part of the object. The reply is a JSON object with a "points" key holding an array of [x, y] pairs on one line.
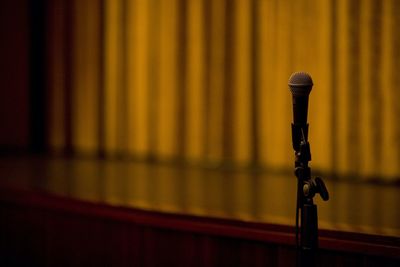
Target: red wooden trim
{"points": [[370, 247], [277, 234]]}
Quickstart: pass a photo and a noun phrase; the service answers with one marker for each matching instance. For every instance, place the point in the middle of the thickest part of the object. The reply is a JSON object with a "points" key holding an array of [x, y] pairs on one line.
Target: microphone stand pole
{"points": [[307, 187]]}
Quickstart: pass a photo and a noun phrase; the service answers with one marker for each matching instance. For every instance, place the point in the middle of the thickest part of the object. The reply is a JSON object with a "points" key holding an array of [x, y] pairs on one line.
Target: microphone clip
{"points": [[299, 135], [304, 153], [310, 186], [301, 145]]}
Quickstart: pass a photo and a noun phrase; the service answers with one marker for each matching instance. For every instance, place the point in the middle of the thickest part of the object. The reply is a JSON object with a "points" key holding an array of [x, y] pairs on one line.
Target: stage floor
{"points": [[255, 196]]}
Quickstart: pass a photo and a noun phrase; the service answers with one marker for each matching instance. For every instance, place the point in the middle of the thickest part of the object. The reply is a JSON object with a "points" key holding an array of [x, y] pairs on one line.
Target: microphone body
{"points": [[300, 84]]}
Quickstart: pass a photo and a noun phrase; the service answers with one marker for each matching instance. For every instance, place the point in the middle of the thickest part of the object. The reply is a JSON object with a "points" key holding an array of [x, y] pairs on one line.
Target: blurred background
{"points": [[182, 107], [203, 82]]}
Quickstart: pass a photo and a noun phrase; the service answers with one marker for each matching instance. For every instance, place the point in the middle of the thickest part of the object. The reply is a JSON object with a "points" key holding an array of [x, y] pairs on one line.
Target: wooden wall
{"points": [[43, 230]]}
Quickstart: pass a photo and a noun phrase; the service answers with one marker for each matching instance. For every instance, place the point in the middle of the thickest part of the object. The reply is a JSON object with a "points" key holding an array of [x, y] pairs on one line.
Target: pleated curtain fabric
{"points": [[206, 81]]}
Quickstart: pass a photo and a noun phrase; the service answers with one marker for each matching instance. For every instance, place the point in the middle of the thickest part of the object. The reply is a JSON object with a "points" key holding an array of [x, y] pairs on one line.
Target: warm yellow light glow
{"points": [[112, 81], [167, 117], [343, 73], [195, 81], [207, 81], [217, 81], [242, 82]]}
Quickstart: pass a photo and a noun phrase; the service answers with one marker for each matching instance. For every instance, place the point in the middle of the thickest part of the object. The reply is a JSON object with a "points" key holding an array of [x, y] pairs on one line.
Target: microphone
{"points": [[300, 84]]}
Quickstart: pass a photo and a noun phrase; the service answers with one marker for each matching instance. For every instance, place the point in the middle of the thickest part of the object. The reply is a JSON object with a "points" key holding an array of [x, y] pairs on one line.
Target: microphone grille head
{"points": [[300, 83]]}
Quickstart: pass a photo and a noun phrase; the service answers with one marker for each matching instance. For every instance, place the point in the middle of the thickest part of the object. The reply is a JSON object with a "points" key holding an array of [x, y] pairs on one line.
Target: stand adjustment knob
{"points": [[313, 186]]}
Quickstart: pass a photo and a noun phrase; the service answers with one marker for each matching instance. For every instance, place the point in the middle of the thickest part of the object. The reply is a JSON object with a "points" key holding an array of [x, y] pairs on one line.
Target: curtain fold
{"points": [[206, 81]]}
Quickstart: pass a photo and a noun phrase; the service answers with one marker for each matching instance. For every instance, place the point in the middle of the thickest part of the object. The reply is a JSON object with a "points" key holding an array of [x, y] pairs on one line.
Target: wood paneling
{"points": [[44, 230]]}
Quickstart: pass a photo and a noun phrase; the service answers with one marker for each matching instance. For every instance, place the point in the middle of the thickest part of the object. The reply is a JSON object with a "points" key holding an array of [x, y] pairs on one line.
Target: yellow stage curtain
{"points": [[206, 81]]}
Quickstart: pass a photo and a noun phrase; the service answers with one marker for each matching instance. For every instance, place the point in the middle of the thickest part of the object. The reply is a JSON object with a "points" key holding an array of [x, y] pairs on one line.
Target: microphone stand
{"points": [[307, 187]]}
